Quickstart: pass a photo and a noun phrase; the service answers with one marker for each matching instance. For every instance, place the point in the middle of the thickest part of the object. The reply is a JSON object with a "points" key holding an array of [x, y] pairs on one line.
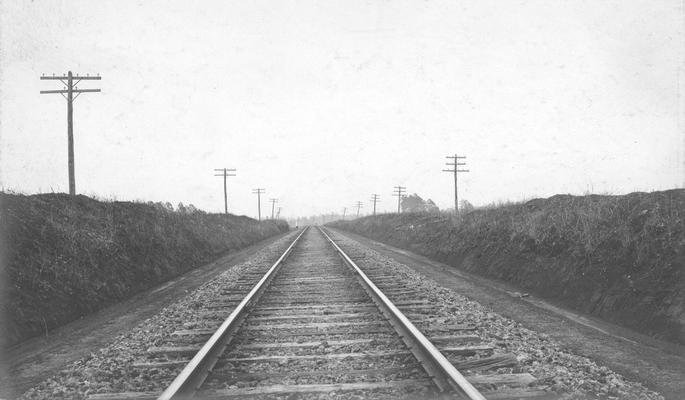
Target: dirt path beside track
{"points": [[656, 364], [37, 359]]}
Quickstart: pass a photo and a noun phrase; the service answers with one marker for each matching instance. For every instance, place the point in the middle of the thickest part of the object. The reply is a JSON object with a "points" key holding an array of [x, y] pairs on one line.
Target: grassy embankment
{"points": [[65, 258], [618, 257]]}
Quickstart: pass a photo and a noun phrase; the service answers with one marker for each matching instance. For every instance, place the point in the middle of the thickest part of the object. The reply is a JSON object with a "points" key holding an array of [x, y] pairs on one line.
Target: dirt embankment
{"points": [[618, 257], [66, 257]]}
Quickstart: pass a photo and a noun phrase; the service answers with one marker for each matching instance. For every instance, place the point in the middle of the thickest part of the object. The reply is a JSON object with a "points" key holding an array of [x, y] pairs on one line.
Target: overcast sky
{"points": [[323, 103]]}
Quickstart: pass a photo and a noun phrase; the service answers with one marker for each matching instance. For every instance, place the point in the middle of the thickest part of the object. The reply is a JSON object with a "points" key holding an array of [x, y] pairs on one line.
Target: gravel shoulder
{"points": [[658, 365], [35, 360]]}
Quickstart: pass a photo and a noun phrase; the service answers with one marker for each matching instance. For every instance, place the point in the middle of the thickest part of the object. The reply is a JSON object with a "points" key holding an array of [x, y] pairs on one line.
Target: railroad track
{"points": [[314, 323]]}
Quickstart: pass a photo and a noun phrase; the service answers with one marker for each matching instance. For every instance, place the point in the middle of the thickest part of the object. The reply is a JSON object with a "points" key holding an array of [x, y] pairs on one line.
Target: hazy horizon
{"points": [[323, 104]]}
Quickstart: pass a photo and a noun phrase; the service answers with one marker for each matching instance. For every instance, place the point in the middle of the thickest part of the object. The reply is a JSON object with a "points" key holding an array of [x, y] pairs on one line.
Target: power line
{"points": [[225, 172], [399, 192], [273, 203], [69, 90], [375, 198], [455, 164], [259, 192]]}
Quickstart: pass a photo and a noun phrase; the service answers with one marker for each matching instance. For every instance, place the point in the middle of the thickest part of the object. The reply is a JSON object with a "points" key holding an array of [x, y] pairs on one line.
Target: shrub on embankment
{"points": [[66, 257], [618, 257]]}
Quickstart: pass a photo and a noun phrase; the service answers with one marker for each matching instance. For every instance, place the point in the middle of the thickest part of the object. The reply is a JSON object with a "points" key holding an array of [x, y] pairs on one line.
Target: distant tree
{"points": [[466, 206], [414, 203], [181, 208]]}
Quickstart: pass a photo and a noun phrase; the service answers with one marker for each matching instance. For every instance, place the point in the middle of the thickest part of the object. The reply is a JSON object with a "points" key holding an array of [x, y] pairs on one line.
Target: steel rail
{"points": [[196, 371], [441, 371]]}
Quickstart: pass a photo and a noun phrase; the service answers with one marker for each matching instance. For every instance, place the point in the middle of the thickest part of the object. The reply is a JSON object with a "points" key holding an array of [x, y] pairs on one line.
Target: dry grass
{"points": [[65, 257], [621, 257]]}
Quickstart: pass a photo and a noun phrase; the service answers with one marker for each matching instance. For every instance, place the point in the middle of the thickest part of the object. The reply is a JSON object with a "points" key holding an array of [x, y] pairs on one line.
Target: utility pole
{"points": [[273, 203], [455, 164], [259, 192], [399, 192], [359, 205], [225, 172], [344, 211], [375, 198], [69, 89]]}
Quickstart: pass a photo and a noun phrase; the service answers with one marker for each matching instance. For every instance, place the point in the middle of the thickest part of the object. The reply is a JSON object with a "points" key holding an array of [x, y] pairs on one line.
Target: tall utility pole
{"points": [[375, 198], [344, 212], [70, 81], [225, 172], [399, 192], [259, 192], [273, 204], [455, 164], [359, 205]]}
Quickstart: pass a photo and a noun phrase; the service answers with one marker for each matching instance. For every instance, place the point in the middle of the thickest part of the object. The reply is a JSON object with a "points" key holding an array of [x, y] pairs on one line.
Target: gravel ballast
{"points": [[557, 370], [110, 369]]}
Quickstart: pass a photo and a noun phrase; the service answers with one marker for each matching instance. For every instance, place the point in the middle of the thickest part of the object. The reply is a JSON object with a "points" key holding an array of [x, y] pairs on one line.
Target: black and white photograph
{"points": [[342, 199]]}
